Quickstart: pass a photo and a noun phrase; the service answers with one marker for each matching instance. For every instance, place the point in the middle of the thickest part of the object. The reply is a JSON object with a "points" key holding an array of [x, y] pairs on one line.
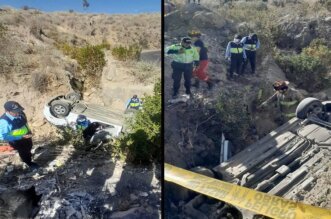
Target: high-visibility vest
{"points": [[19, 126], [236, 48], [250, 44], [288, 107], [134, 103], [187, 57]]}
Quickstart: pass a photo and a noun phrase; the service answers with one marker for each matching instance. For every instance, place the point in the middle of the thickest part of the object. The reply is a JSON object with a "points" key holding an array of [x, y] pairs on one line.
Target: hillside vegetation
{"points": [[107, 59], [46, 54]]}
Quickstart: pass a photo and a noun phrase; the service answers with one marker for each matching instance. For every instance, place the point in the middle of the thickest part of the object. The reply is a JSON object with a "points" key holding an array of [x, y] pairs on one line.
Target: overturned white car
{"points": [[63, 110]]}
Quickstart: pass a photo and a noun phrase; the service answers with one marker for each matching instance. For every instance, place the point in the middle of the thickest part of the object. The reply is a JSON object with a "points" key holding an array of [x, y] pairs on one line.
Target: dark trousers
{"points": [[90, 130], [235, 64], [23, 148], [178, 70], [251, 58]]}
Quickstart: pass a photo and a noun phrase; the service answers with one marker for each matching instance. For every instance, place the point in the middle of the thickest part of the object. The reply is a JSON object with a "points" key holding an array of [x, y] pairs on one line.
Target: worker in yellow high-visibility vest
{"points": [[251, 44], [235, 53], [184, 56]]}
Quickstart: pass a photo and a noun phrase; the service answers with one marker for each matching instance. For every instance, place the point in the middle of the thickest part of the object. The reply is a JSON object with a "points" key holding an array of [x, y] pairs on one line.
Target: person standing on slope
{"points": [[200, 73], [184, 57], [235, 53], [251, 44], [15, 130]]}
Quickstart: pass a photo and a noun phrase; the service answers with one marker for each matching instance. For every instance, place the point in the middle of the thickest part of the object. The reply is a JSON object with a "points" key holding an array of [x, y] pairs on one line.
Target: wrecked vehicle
{"points": [[63, 110], [292, 162]]}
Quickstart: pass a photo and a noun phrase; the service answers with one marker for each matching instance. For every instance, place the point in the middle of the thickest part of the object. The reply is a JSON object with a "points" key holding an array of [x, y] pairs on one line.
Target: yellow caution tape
{"points": [[259, 202]]}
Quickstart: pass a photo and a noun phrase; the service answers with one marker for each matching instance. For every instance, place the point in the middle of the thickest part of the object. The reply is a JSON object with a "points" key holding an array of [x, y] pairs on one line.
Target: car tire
{"points": [[307, 106], [60, 108], [73, 96]]}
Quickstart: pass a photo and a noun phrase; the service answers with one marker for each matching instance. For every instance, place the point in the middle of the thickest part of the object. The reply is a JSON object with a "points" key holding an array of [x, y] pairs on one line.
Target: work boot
{"points": [[196, 83], [210, 85], [189, 94]]}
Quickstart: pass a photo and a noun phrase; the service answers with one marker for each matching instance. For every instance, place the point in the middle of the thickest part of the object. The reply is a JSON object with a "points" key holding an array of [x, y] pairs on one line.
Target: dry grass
{"points": [[40, 81], [145, 72]]}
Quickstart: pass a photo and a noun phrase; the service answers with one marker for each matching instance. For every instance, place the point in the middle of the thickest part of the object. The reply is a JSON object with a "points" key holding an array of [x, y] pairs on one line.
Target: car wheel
{"points": [[60, 108], [308, 106], [73, 96]]}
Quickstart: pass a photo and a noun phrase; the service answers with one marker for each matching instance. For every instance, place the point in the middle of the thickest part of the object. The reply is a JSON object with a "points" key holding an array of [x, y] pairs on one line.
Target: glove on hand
{"points": [[181, 51]]}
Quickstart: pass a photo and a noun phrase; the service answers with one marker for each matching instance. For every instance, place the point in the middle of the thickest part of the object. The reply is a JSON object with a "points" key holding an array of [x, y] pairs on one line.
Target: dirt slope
{"points": [[77, 183]]}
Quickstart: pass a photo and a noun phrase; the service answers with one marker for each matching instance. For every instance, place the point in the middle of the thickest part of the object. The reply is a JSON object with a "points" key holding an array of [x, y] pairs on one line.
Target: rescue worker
{"points": [[82, 122], [200, 73], [133, 103], [235, 53], [15, 130], [286, 100], [88, 128], [184, 58], [251, 44]]}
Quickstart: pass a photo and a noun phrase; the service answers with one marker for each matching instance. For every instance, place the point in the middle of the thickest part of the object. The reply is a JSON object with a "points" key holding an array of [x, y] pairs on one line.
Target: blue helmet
{"points": [[81, 118]]}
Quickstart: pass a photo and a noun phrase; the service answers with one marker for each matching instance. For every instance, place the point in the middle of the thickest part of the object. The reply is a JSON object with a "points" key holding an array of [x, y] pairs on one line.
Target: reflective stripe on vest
{"points": [[188, 56], [288, 103], [236, 50], [80, 127], [251, 47], [134, 104], [20, 131]]}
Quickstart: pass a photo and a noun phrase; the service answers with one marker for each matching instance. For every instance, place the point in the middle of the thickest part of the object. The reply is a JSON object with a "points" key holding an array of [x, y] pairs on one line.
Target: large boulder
{"points": [[297, 33], [193, 16]]}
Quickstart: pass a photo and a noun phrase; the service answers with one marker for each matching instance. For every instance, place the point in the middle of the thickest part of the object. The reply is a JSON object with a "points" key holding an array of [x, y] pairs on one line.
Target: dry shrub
{"points": [[36, 31], [3, 30], [146, 72], [41, 81]]}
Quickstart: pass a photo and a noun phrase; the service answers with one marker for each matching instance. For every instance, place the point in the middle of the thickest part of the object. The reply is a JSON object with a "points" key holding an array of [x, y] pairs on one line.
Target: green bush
{"points": [[123, 53], [70, 136], [142, 145], [90, 58], [318, 48], [304, 70], [309, 68], [234, 116]]}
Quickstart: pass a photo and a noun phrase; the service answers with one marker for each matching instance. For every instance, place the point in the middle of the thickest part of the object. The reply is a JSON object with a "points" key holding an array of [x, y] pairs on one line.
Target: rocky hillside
{"points": [[34, 68], [38, 62]]}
